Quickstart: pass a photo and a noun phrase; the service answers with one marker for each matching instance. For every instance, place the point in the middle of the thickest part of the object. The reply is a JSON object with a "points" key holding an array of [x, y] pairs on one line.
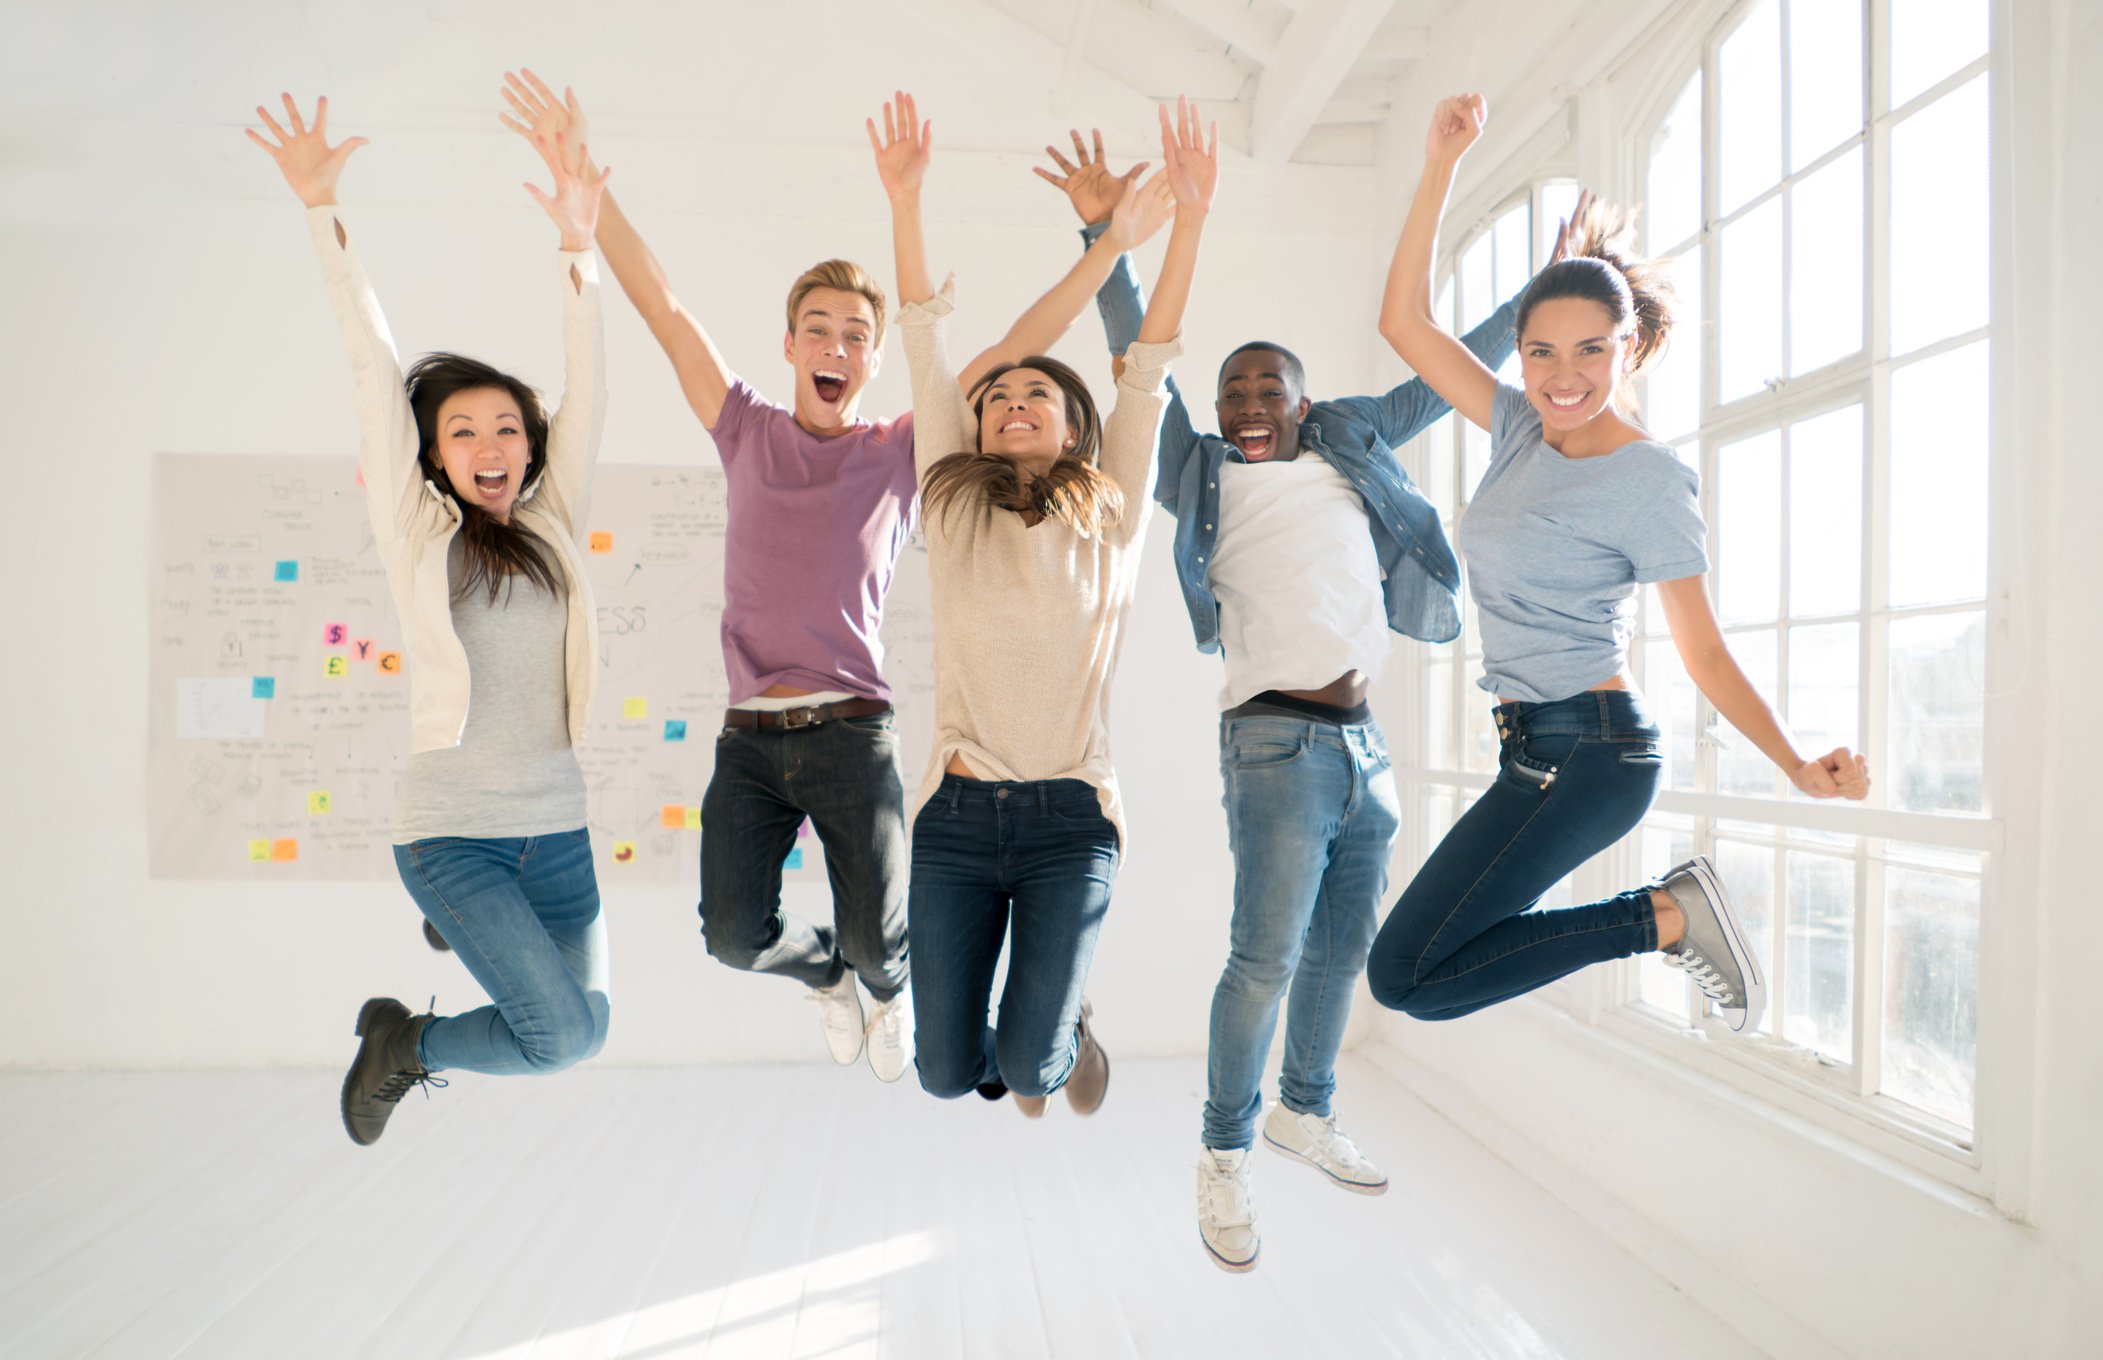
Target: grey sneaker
{"points": [[384, 1070], [1714, 951]]}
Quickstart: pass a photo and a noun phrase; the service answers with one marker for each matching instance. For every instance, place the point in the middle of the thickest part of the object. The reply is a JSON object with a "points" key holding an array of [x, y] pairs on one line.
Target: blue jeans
{"points": [[1031, 863], [1574, 777], [1311, 819], [523, 914], [843, 775]]}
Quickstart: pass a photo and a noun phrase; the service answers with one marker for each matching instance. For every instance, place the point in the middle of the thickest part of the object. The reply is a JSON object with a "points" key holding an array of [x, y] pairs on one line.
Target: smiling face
{"points": [[833, 348], [1260, 405], [482, 445], [1022, 417], [1571, 361]]}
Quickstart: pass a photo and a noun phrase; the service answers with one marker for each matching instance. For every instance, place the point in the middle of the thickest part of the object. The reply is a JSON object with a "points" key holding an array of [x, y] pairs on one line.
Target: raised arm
{"points": [[703, 375], [573, 435], [1448, 367], [1094, 193], [387, 440]]}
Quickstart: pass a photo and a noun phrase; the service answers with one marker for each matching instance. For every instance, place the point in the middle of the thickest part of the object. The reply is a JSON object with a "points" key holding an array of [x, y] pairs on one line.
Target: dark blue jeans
{"points": [[1031, 863], [523, 914], [1574, 777], [843, 775]]}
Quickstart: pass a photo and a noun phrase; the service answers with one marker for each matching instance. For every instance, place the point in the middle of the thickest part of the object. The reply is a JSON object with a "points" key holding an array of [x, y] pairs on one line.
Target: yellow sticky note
{"points": [[335, 667], [317, 802], [601, 541], [693, 819], [287, 849], [624, 852], [259, 852], [672, 815], [635, 707]]}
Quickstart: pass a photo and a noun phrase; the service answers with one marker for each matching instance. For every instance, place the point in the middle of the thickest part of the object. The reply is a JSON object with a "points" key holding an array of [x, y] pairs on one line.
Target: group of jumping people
{"points": [[1300, 545]]}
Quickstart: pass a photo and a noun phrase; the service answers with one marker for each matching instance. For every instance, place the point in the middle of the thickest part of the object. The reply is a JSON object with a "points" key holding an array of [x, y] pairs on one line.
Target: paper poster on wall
{"points": [[278, 684]]}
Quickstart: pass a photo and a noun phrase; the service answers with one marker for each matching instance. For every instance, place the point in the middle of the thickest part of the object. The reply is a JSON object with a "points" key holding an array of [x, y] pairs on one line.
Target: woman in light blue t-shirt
{"points": [[1579, 509]]}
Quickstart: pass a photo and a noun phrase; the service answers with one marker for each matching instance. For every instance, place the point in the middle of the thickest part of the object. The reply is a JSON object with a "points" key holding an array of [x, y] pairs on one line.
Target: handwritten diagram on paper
{"points": [[278, 687]]}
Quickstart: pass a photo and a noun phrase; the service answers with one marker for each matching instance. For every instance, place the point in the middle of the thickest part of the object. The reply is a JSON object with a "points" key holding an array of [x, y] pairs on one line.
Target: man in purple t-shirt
{"points": [[820, 503]]}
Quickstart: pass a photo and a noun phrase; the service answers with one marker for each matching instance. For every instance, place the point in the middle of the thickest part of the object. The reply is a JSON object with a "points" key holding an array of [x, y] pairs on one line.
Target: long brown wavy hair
{"points": [[1603, 267], [1074, 492], [497, 551]]}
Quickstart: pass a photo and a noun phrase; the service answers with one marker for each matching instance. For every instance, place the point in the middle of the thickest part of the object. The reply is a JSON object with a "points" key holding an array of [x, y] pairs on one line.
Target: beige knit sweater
{"points": [[1029, 619]]}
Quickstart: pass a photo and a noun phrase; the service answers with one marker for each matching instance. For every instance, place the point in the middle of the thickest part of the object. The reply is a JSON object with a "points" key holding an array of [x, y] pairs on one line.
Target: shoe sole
{"points": [[1355, 1187], [1704, 873], [365, 1014], [1231, 1267], [1074, 1105]]}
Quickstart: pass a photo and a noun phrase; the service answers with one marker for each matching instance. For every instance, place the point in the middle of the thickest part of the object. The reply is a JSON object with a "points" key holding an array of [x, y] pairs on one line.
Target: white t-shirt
{"points": [[1297, 578]]}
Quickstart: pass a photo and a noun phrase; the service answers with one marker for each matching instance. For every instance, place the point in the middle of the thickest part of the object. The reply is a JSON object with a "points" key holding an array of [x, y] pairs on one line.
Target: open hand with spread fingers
{"points": [[303, 155], [904, 149], [1191, 162], [1087, 180], [541, 116], [574, 206]]}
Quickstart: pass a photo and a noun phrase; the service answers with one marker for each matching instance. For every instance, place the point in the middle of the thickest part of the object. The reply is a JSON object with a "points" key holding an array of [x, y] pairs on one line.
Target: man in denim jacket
{"points": [[1301, 544]]}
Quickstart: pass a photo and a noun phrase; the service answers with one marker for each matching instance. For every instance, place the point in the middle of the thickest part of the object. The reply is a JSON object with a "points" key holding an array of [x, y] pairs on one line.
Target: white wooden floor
{"points": [[765, 1212]]}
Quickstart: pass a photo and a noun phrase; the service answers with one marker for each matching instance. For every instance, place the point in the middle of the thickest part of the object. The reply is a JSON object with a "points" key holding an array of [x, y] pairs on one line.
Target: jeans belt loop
{"points": [[1606, 718]]}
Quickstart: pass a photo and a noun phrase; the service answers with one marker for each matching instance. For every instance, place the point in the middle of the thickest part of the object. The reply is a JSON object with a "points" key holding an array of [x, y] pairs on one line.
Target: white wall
{"points": [[162, 297], [1808, 1242]]}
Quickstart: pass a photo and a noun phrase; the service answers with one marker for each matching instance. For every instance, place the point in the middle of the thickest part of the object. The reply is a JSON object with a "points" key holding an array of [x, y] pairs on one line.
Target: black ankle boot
{"points": [[385, 1068]]}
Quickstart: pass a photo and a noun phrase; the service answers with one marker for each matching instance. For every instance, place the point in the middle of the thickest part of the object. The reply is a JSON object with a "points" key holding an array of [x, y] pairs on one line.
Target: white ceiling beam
{"points": [[1233, 22], [1314, 57], [1076, 57], [1408, 42]]}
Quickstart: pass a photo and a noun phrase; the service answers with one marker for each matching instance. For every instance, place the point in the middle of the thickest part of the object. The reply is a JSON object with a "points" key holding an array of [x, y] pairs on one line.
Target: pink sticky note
{"points": [[333, 634]]}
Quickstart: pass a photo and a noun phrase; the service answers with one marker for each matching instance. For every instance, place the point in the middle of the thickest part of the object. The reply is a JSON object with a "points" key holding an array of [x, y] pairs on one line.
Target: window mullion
{"points": [[1869, 967]]}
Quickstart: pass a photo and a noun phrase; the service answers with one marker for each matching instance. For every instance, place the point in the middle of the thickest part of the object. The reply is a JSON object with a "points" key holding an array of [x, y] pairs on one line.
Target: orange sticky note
{"points": [[623, 852], [693, 819], [259, 852], [601, 541], [635, 707], [390, 663], [317, 802], [284, 850], [672, 815]]}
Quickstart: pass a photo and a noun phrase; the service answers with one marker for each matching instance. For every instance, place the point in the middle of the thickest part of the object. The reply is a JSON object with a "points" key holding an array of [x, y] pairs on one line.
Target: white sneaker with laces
{"points": [[891, 1037], [840, 1016], [1227, 1210], [1316, 1140]]}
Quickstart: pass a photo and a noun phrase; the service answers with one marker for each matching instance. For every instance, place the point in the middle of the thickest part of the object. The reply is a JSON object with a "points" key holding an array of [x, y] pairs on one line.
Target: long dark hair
{"points": [[496, 550], [1075, 491], [1603, 267]]}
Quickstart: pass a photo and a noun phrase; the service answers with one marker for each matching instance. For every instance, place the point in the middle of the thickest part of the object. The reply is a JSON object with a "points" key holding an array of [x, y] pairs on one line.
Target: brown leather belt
{"points": [[791, 719]]}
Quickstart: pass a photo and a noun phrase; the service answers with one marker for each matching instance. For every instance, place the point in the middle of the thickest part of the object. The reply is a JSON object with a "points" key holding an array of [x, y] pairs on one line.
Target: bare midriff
{"points": [[956, 765], [1345, 691], [784, 692], [1621, 681]]}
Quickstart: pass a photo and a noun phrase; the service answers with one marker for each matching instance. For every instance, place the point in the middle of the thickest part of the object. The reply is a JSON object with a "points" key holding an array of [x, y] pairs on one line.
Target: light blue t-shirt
{"points": [[1555, 548]]}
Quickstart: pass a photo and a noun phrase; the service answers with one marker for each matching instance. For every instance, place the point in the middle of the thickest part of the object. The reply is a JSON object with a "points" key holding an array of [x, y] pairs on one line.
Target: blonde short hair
{"points": [[847, 277]]}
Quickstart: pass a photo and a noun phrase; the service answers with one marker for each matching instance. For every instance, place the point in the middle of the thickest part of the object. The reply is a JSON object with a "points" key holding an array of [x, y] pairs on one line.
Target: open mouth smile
{"points": [[491, 483], [829, 383], [1255, 441], [1567, 401]]}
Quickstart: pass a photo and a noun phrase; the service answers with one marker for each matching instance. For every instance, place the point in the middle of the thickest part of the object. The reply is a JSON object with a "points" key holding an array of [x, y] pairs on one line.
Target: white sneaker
{"points": [[840, 1016], [1315, 1140], [1226, 1209], [891, 1037]]}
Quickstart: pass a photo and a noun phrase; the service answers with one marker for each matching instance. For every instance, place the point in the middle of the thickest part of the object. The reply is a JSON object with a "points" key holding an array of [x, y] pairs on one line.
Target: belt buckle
{"points": [[789, 717]]}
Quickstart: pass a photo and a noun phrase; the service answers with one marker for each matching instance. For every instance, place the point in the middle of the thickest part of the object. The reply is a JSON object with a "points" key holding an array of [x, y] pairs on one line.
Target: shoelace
{"points": [[397, 1086], [1227, 1191], [832, 1010], [889, 1021], [1711, 982]]}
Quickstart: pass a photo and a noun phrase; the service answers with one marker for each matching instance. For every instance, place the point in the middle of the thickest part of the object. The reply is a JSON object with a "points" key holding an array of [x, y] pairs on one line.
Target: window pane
{"points": [[1825, 513], [1740, 768], [1442, 736], [1658, 984], [1826, 301], [1558, 201], [1672, 193], [1748, 876], [1825, 688], [1672, 697], [1939, 201], [1931, 990], [1825, 77], [1818, 1009], [1930, 39], [1938, 478], [1475, 300], [1514, 259], [1438, 814], [1748, 538], [1479, 734], [1672, 390], [1749, 112], [1749, 303], [1935, 743]]}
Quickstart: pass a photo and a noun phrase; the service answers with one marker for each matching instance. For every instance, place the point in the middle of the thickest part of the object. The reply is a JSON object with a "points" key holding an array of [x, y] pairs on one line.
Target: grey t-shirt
{"points": [[513, 773], [1555, 548]]}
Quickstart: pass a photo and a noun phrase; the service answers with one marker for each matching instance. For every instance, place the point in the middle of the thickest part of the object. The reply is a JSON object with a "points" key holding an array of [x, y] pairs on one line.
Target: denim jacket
{"points": [[1420, 579]]}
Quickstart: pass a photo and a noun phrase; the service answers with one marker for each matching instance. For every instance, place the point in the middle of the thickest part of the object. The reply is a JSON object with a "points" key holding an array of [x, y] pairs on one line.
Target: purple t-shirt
{"points": [[814, 534]]}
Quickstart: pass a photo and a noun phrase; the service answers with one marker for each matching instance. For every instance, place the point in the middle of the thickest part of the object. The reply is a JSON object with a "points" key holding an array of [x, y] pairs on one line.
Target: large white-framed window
{"points": [[1819, 171]]}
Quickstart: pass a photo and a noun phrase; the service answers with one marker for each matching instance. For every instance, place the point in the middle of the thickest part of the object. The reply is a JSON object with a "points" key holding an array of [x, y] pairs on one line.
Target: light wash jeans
{"points": [[523, 914], [1311, 818]]}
